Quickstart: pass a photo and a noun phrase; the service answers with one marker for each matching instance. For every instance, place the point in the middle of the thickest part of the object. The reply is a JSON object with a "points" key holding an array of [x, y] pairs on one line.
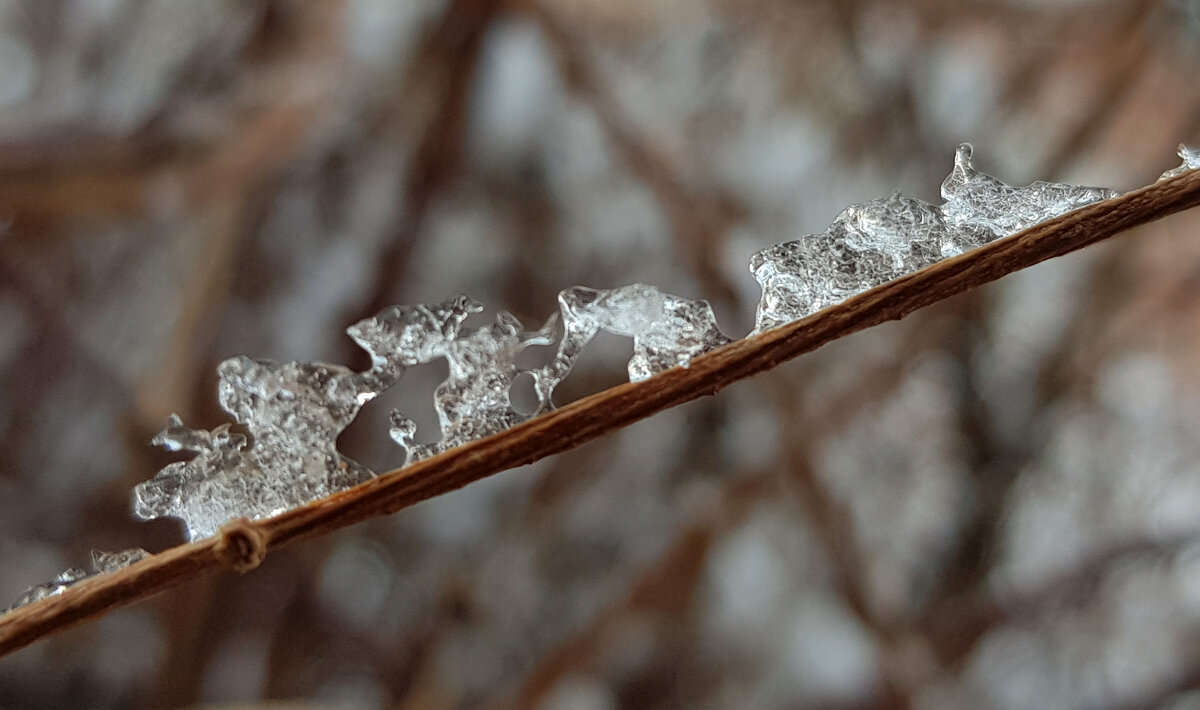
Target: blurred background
{"points": [[992, 504]]}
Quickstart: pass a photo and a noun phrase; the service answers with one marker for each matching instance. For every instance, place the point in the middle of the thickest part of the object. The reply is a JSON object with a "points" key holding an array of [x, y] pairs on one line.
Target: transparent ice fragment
{"points": [[400, 336], [1191, 161], [872, 243], [867, 245], [105, 562], [474, 400], [102, 563], [667, 331], [54, 587], [293, 412], [975, 199]]}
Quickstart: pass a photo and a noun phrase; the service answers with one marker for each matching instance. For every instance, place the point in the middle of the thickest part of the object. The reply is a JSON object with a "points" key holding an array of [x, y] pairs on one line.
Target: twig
{"points": [[593, 416]]}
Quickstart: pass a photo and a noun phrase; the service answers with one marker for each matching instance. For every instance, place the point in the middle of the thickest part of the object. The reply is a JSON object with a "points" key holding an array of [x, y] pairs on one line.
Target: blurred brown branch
{"points": [[698, 221], [591, 417], [963, 623]]}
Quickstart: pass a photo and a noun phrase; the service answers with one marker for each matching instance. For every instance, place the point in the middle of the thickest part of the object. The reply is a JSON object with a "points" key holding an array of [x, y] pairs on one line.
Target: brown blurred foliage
{"points": [[992, 504]]}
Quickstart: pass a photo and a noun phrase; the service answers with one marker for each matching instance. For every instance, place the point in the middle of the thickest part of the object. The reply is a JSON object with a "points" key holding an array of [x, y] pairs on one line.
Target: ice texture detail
{"points": [[102, 563], [667, 331], [975, 200], [474, 400], [875, 242], [293, 413], [1191, 161], [105, 562]]}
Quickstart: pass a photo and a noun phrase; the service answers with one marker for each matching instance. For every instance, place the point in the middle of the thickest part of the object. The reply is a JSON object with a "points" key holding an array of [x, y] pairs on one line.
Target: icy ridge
{"points": [[102, 563], [872, 243], [1191, 161]]}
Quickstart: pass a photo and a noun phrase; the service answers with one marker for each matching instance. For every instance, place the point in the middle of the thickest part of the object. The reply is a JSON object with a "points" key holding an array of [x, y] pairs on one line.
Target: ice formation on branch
{"points": [[473, 401], [102, 563], [872, 243], [293, 412], [1191, 161], [105, 562], [667, 331]]}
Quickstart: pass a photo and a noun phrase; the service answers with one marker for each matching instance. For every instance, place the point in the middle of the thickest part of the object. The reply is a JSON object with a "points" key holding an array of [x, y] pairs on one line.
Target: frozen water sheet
{"points": [[872, 243]]}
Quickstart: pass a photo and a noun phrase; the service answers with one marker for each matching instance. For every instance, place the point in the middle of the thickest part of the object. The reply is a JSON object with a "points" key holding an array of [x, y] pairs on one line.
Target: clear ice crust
{"points": [[293, 412], [1191, 161], [102, 563], [872, 243]]}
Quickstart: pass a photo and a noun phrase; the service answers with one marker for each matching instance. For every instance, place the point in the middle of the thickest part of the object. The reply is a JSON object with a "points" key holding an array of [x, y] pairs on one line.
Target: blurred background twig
{"points": [[188, 181]]}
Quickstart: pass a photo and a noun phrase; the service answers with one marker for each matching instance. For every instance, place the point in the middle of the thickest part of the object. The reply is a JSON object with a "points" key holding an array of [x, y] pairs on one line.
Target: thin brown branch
{"points": [[593, 416]]}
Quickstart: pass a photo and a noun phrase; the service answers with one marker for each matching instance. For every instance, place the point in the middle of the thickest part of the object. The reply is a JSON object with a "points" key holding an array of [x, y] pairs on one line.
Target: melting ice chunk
{"points": [[667, 331], [1191, 161], [872, 243], [977, 200], [105, 562], [102, 563], [474, 400], [293, 413]]}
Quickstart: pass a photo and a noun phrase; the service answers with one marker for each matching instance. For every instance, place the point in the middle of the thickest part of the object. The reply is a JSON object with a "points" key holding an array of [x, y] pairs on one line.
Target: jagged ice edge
{"points": [[102, 563]]}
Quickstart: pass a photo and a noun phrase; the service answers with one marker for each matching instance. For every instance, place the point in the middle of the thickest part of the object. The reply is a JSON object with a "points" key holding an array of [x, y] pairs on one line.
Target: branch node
{"points": [[243, 545]]}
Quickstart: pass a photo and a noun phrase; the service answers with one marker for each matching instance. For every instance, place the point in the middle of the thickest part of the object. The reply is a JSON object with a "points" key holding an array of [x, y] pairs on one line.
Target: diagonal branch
{"points": [[242, 544]]}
